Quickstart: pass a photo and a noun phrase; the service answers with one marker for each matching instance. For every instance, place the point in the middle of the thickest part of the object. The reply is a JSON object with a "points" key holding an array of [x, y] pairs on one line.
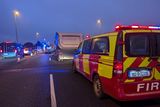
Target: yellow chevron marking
{"points": [[128, 63], [157, 74], [145, 62]]}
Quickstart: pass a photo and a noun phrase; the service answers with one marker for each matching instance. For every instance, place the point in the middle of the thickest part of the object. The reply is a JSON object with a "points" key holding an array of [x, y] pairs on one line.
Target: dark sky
{"points": [[49, 16]]}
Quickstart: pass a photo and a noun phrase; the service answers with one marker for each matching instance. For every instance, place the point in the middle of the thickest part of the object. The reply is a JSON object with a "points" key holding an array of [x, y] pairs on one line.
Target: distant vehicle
{"points": [[10, 49], [28, 48], [123, 64], [48, 50], [65, 44]]}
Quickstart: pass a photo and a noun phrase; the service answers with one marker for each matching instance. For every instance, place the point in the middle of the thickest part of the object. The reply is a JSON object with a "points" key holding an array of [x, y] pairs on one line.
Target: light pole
{"points": [[16, 14], [37, 35], [99, 24], [99, 21]]}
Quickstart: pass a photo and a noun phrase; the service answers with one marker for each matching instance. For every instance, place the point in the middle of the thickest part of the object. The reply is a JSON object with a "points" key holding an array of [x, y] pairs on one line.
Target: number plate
{"points": [[140, 73]]}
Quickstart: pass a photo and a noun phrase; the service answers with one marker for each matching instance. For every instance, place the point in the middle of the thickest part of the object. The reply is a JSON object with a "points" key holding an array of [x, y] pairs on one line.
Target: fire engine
{"points": [[123, 64]]}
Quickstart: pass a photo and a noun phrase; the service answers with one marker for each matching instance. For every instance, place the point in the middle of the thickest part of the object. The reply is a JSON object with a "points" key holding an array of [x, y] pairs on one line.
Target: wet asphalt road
{"points": [[27, 84]]}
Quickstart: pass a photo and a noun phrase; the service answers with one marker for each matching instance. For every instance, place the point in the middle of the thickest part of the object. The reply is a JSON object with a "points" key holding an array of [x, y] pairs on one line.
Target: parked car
{"points": [[28, 49]]}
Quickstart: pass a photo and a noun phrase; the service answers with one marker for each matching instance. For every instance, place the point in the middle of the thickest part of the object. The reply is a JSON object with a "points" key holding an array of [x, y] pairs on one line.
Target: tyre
{"points": [[97, 86]]}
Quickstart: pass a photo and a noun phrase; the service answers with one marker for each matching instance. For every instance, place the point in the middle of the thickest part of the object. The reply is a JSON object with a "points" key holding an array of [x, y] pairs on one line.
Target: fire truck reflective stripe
{"points": [[106, 60], [152, 63], [124, 59], [157, 74], [112, 45], [86, 64], [105, 66], [127, 63], [145, 62], [136, 63], [105, 70]]}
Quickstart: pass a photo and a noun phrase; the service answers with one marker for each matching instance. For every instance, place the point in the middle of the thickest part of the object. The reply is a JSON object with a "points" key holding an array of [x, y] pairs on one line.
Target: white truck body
{"points": [[65, 44]]}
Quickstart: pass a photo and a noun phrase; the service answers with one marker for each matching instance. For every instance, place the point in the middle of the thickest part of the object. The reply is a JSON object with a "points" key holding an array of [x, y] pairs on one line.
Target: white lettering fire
{"points": [[148, 86]]}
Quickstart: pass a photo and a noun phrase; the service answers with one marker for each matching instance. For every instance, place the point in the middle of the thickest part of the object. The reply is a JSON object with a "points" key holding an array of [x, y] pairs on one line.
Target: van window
{"points": [[137, 45], [100, 45], [87, 46]]}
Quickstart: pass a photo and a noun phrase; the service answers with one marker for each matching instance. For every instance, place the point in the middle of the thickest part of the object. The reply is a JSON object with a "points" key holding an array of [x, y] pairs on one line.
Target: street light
{"points": [[37, 35], [99, 22], [16, 14], [99, 25]]}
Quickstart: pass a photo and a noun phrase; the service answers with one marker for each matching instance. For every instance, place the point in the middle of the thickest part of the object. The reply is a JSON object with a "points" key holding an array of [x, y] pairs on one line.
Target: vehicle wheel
{"points": [[97, 87]]}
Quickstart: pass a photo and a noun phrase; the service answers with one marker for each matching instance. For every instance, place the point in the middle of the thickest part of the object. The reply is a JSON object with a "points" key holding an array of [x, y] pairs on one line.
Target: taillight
{"points": [[118, 68], [0, 51]]}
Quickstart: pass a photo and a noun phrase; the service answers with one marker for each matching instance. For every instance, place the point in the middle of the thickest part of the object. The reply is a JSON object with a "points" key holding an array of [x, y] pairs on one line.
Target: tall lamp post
{"points": [[99, 24], [16, 14], [37, 35]]}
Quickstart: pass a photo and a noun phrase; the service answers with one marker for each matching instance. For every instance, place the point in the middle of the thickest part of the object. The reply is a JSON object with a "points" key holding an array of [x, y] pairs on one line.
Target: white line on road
{"points": [[52, 89]]}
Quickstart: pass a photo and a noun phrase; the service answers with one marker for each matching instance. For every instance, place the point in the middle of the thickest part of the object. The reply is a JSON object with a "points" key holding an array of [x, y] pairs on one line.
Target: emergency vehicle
{"points": [[123, 64]]}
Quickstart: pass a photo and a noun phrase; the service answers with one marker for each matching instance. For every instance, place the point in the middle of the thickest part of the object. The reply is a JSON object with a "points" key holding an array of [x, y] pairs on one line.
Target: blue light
{"points": [[154, 27]]}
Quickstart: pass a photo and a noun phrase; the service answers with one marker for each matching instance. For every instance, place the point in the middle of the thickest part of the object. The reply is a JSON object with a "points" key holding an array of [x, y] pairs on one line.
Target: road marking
{"points": [[52, 89]]}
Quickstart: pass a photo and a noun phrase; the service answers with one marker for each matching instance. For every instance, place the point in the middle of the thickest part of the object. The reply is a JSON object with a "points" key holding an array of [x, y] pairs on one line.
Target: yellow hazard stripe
{"points": [[157, 75], [145, 62], [127, 63]]}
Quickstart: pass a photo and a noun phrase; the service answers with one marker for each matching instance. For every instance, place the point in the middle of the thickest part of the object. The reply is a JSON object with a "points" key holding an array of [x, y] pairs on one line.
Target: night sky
{"points": [[50, 16]]}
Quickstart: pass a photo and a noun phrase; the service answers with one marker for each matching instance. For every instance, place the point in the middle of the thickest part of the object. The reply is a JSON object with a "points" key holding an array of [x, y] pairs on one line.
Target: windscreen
{"points": [[142, 44]]}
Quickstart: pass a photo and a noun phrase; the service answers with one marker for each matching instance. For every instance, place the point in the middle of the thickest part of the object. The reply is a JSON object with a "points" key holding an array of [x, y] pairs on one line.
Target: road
{"points": [[39, 82]]}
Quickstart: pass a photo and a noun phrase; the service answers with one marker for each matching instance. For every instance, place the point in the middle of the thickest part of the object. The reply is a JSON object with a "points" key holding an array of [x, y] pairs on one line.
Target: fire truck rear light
{"points": [[118, 68], [134, 27], [117, 27]]}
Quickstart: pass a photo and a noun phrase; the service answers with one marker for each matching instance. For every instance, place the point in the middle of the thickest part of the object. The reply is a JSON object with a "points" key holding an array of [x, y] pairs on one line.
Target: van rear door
{"points": [[141, 71]]}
